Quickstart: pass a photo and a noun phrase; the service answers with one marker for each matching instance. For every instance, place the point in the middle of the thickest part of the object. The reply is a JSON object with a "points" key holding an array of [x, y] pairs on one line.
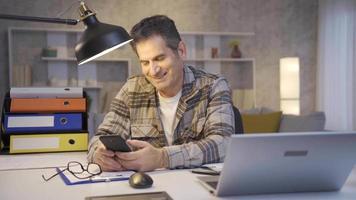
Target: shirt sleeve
{"points": [[116, 122], [218, 127]]}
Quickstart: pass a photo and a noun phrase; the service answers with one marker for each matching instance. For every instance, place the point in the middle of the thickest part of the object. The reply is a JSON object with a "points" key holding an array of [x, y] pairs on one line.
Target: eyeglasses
{"points": [[79, 171]]}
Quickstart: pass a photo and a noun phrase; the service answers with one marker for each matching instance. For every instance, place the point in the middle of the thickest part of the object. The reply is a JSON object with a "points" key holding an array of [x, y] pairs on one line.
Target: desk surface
{"points": [[179, 184]]}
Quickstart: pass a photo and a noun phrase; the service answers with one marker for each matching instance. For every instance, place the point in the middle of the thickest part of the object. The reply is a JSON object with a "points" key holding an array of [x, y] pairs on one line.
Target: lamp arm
{"points": [[40, 19]]}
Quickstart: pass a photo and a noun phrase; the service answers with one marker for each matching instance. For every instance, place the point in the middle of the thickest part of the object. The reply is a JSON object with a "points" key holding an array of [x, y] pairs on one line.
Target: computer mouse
{"points": [[140, 180]]}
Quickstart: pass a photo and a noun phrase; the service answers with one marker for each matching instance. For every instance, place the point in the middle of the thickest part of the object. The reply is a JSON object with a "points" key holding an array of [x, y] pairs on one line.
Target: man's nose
{"points": [[154, 69]]}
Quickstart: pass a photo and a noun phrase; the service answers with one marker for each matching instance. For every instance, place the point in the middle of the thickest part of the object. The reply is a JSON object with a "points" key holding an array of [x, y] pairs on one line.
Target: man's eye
{"points": [[144, 63], [160, 58]]}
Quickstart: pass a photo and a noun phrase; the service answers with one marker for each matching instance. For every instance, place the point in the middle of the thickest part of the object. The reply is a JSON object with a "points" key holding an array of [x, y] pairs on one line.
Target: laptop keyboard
{"points": [[212, 184]]}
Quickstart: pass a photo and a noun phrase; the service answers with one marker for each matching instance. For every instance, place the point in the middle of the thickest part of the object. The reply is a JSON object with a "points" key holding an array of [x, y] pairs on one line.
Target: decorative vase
{"points": [[236, 53], [214, 52]]}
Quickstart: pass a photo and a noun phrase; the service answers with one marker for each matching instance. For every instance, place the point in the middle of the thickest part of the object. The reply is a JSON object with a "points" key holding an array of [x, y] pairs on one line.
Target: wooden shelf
{"points": [[74, 59], [219, 33], [26, 29], [221, 60], [91, 87], [31, 29]]}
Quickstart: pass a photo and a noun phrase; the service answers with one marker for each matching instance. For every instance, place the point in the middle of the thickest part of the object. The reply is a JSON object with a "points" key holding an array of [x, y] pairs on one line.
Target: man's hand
{"points": [[146, 158], [106, 159]]}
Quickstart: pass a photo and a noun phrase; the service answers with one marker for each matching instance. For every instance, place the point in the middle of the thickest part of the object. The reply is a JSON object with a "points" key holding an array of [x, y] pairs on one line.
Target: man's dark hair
{"points": [[159, 25]]}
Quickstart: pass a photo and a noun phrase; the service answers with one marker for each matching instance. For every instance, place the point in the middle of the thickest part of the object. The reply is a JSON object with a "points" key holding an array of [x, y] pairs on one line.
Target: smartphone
{"points": [[115, 143]]}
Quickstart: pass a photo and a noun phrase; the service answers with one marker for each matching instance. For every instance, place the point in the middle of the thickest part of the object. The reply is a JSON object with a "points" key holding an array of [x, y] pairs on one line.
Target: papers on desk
{"points": [[69, 179], [215, 166], [213, 169]]}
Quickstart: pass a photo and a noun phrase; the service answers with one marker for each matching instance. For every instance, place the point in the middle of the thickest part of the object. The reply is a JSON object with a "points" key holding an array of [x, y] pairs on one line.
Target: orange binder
{"points": [[48, 105]]}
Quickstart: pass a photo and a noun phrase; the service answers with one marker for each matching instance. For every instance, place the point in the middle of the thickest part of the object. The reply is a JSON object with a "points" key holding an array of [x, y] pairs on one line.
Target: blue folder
{"points": [[87, 181], [37, 123]]}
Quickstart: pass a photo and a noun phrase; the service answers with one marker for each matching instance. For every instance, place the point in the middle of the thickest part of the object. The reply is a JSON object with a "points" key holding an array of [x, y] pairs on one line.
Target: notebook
{"points": [[285, 163]]}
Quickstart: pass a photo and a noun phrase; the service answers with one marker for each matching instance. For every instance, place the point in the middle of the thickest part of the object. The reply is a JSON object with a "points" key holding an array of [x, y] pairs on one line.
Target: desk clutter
{"points": [[44, 119]]}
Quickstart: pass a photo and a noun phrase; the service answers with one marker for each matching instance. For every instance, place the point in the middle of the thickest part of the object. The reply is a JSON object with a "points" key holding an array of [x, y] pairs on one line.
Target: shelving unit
{"points": [[240, 72], [101, 78]]}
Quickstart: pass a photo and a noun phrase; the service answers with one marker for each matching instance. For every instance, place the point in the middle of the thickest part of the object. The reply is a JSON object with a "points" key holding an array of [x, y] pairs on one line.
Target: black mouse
{"points": [[140, 180]]}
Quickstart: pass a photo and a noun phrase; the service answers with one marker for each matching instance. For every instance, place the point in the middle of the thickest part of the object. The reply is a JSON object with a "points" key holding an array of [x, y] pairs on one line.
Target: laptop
{"points": [[285, 163]]}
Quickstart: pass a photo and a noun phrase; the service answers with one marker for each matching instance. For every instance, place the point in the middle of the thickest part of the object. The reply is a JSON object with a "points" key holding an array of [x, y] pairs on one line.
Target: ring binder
{"points": [[22, 123], [36, 120]]}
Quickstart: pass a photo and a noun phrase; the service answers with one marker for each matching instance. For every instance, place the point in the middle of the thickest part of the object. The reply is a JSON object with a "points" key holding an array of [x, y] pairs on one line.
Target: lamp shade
{"points": [[290, 85], [98, 39]]}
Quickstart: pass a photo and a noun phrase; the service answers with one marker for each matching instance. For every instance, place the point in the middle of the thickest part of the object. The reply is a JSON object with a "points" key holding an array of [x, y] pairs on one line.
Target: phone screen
{"points": [[115, 143]]}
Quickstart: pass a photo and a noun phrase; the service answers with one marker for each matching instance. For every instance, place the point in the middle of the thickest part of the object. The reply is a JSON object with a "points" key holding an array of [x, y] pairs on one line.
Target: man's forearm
{"points": [[193, 154]]}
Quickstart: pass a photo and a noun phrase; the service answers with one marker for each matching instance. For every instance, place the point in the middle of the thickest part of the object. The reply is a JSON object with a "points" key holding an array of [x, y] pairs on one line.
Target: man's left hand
{"points": [[146, 158]]}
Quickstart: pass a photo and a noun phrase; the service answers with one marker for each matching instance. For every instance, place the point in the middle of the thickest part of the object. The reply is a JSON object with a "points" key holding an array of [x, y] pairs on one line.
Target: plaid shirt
{"points": [[204, 118]]}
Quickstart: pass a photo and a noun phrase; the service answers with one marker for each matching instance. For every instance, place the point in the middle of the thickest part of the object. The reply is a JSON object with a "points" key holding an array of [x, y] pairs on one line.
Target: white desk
{"points": [[179, 184]]}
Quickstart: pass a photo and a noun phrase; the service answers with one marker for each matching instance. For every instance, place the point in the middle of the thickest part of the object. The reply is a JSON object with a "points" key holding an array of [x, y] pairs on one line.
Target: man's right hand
{"points": [[107, 159]]}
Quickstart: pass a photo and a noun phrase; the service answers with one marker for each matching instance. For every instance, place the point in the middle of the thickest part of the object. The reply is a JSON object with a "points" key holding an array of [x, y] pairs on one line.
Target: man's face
{"points": [[162, 66]]}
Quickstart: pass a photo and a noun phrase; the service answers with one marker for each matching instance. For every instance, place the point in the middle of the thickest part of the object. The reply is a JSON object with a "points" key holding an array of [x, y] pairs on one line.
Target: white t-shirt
{"points": [[168, 108]]}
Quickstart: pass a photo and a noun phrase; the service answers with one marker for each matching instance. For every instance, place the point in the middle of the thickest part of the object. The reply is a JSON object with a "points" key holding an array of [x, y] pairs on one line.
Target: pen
{"points": [[109, 179], [101, 180], [118, 177]]}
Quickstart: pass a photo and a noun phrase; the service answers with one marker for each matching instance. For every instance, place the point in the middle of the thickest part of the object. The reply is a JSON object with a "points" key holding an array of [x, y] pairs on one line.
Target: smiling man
{"points": [[173, 116]]}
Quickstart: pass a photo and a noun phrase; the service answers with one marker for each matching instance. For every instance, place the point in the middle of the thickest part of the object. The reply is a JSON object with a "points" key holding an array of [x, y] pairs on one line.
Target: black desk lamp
{"points": [[97, 39]]}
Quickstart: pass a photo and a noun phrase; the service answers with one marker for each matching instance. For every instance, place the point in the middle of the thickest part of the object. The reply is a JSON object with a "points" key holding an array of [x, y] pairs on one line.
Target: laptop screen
{"points": [[287, 162]]}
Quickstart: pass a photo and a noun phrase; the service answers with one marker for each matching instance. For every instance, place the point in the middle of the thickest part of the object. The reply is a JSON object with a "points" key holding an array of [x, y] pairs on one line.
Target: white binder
{"points": [[46, 92]]}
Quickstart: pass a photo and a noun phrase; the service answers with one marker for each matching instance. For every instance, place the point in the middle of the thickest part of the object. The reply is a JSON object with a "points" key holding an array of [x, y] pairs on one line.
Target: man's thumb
{"points": [[137, 143]]}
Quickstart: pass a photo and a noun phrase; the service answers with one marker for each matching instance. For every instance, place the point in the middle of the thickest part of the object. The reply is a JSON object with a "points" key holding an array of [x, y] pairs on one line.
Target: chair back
{"points": [[238, 121]]}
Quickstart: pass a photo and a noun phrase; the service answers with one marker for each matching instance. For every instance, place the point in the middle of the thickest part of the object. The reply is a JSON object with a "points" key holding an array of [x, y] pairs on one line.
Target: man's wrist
{"points": [[92, 151], [164, 158]]}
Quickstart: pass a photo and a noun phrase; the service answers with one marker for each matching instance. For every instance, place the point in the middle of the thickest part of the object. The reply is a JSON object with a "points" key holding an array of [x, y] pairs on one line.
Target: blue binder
{"points": [[35, 123]]}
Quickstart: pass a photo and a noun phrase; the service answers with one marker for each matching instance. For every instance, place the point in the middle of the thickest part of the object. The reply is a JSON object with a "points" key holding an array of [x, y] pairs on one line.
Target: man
{"points": [[174, 116]]}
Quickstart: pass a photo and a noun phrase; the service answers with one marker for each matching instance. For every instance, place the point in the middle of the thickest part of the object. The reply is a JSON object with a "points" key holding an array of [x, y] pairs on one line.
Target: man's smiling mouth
{"points": [[159, 78]]}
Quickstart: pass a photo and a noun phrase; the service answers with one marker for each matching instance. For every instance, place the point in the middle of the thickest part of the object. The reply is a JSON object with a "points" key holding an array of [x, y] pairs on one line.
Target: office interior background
{"points": [[321, 33]]}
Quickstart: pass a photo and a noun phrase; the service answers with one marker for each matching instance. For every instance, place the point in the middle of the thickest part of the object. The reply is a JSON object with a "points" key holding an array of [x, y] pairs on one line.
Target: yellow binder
{"points": [[54, 142]]}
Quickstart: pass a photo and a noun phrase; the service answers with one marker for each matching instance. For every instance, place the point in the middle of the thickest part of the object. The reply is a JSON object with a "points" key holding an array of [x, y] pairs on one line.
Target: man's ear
{"points": [[182, 50]]}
